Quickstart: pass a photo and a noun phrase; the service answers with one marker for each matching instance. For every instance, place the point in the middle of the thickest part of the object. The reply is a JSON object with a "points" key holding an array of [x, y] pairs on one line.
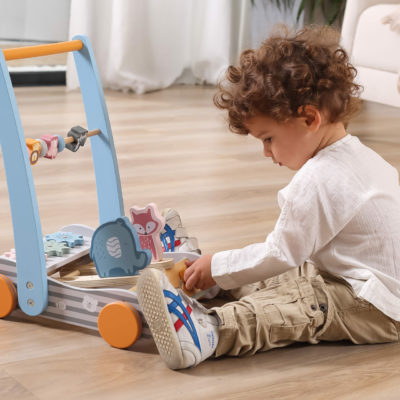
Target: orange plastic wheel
{"points": [[8, 296], [120, 324]]}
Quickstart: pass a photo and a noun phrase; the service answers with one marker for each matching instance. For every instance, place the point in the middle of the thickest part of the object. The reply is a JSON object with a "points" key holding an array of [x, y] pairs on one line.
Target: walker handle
{"points": [[42, 50]]}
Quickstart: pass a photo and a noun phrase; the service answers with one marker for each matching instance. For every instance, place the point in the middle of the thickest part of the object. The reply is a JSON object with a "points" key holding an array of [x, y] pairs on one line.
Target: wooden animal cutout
{"points": [[115, 249], [148, 223]]}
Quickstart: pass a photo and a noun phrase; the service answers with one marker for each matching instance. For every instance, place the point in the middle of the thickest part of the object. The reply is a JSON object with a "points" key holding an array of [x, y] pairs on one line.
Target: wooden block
{"points": [[94, 281], [165, 263], [173, 273], [53, 248], [189, 292], [69, 275], [175, 276], [182, 274], [81, 266], [70, 239]]}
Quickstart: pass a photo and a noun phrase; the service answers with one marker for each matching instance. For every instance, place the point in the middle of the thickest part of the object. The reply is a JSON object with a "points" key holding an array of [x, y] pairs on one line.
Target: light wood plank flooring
{"points": [[174, 149]]}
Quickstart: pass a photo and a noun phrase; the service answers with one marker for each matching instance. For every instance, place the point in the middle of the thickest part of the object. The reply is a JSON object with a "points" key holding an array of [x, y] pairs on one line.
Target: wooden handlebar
{"points": [[42, 50]]}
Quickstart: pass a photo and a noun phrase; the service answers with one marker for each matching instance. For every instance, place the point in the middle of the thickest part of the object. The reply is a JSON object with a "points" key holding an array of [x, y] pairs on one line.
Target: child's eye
{"points": [[267, 140]]}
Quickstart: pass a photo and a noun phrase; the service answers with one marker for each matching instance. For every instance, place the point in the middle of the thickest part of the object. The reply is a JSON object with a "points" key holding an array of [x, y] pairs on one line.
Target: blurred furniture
{"points": [[373, 48]]}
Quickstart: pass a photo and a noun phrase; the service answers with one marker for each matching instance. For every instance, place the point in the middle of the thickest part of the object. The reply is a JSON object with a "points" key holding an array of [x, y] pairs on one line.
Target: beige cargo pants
{"points": [[303, 305]]}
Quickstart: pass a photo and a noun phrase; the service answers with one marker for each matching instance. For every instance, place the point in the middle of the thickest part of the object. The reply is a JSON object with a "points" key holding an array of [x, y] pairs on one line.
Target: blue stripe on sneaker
{"points": [[169, 233], [172, 308]]}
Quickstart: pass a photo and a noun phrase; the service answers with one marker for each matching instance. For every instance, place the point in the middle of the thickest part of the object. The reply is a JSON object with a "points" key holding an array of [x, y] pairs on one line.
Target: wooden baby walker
{"points": [[78, 275]]}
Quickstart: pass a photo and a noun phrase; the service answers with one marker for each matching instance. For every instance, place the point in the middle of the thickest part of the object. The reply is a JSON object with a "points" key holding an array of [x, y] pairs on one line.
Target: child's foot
{"points": [[184, 332]]}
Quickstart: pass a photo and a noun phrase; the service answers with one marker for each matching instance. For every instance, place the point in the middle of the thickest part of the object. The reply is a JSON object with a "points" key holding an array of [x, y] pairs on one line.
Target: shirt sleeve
{"points": [[313, 210]]}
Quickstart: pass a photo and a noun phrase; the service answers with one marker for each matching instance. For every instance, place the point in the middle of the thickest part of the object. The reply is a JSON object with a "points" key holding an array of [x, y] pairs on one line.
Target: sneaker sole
{"points": [[155, 310]]}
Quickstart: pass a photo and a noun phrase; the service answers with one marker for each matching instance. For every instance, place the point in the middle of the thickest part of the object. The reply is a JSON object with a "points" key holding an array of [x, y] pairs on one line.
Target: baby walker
{"points": [[54, 276]]}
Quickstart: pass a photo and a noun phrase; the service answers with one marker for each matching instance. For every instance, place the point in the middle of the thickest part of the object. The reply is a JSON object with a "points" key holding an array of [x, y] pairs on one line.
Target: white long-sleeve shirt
{"points": [[341, 211]]}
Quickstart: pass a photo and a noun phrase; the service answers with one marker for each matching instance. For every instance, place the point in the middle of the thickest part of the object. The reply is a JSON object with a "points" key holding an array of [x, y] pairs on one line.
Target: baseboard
{"points": [[38, 78]]}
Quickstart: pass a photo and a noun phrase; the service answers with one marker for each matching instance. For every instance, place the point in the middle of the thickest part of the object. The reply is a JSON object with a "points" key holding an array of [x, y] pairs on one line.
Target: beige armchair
{"points": [[374, 48]]}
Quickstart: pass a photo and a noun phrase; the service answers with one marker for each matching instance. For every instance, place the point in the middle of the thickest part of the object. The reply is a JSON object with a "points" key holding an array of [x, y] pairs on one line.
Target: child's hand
{"points": [[198, 273]]}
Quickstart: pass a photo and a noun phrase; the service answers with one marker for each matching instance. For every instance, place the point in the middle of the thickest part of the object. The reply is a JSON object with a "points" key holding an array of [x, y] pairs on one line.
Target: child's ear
{"points": [[311, 115]]}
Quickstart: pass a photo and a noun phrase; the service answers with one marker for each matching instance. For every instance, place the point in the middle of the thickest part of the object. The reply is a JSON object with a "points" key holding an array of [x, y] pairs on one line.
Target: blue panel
{"points": [[31, 267], [116, 250], [108, 183]]}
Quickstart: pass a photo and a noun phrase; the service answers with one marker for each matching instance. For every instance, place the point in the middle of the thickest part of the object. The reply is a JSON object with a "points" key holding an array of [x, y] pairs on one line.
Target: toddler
{"points": [[330, 269]]}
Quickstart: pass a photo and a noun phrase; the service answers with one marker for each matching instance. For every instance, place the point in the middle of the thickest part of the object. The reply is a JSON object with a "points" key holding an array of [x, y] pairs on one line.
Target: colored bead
{"points": [[61, 143], [52, 145], [79, 135], [34, 148], [43, 148]]}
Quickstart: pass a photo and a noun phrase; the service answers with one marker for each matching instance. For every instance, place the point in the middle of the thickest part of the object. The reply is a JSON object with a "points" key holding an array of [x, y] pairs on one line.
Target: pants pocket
{"points": [[294, 321]]}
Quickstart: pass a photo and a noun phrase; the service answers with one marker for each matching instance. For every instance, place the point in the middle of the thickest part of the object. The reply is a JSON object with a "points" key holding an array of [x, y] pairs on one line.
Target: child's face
{"points": [[289, 143]]}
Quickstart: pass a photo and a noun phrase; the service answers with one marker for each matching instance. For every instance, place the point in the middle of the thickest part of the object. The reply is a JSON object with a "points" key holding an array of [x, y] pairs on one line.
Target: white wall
{"points": [[42, 20]]}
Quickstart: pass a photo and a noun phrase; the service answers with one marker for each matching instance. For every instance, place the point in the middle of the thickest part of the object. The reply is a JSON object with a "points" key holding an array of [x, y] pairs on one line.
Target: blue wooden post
{"points": [[28, 238], [109, 194]]}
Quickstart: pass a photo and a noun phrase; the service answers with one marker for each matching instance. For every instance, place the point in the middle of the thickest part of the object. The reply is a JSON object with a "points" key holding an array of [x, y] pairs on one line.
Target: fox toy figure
{"points": [[148, 223]]}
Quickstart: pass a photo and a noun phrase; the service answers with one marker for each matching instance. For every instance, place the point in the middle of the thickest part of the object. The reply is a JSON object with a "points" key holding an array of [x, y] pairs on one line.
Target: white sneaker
{"points": [[184, 332], [175, 236]]}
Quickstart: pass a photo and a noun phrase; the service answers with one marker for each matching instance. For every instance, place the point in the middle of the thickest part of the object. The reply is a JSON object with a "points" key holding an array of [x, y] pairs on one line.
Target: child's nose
{"points": [[267, 152]]}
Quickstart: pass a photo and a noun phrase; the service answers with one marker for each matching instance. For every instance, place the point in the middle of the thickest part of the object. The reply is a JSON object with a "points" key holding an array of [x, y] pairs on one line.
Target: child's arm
{"points": [[198, 274]]}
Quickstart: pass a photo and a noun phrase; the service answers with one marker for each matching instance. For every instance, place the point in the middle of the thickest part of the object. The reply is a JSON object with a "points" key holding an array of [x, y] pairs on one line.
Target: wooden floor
{"points": [[174, 149]]}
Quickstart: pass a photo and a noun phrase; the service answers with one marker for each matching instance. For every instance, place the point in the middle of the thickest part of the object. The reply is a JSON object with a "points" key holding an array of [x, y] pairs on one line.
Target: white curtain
{"points": [[144, 45], [265, 15]]}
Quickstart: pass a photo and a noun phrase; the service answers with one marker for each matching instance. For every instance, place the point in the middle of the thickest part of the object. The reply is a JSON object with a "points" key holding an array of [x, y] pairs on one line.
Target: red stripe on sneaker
{"points": [[178, 324], [176, 244]]}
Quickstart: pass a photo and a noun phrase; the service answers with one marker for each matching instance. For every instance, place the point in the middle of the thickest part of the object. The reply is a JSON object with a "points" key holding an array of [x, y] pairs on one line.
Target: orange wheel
{"points": [[8, 296], [120, 324]]}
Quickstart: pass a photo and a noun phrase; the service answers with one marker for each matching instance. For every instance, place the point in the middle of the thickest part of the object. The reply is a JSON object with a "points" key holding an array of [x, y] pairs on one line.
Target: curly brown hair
{"points": [[287, 72]]}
